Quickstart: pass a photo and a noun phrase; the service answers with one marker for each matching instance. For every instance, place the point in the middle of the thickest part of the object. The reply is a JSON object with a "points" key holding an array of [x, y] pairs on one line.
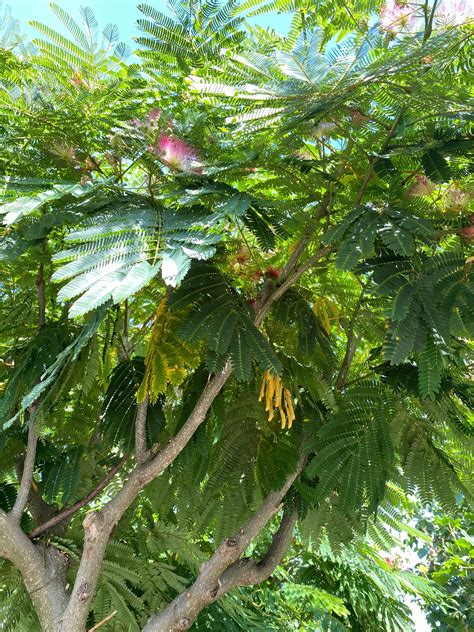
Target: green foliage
{"points": [[220, 315], [297, 205], [353, 450], [362, 226], [52, 373], [63, 477], [115, 253], [14, 211], [430, 306], [192, 36], [12, 591], [120, 405]]}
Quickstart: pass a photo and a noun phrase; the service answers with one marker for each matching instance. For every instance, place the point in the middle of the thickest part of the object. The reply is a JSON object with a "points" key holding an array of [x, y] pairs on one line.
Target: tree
{"points": [[236, 301]]}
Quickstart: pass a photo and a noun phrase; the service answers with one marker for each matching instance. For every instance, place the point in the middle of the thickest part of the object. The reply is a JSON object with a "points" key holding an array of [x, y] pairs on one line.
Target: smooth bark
{"points": [[27, 473]]}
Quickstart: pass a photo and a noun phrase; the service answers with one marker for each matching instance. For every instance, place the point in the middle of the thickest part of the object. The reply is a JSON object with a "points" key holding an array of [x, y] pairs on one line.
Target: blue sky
{"points": [[124, 13]]}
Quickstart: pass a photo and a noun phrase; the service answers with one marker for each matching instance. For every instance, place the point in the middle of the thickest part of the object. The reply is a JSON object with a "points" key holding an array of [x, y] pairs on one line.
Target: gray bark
{"points": [[43, 572], [141, 452]]}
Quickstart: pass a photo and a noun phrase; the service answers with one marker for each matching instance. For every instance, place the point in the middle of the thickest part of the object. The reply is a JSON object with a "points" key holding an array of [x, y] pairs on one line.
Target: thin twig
{"points": [[107, 618], [141, 452], [288, 282], [66, 513], [374, 369], [375, 159], [351, 344], [28, 468]]}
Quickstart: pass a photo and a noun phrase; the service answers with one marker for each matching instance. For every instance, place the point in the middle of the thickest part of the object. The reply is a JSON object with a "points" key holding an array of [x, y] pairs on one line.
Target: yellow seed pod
{"points": [[289, 408], [278, 393], [283, 419], [270, 393], [277, 398]]}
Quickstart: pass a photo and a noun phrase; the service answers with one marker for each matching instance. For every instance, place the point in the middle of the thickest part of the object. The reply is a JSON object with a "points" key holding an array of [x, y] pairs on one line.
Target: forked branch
{"points": [[226, 569], [99, 525]]}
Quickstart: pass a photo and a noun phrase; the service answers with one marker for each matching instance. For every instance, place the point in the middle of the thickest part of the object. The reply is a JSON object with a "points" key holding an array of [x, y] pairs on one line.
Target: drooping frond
{"points": [[218, 314], [354, 452], [430, 305], [52, 373]]}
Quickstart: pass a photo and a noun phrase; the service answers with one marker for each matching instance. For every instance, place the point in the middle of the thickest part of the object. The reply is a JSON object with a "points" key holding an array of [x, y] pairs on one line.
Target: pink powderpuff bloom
{"points": [[421, 186], [456, 199], [455, 12], [396, 16], [178, 154], [324, 130], [153, 117]]}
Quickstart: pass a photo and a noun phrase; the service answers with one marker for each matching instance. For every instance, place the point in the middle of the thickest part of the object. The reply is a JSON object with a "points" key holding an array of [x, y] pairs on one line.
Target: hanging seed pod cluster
{"points": [[277, 398]]}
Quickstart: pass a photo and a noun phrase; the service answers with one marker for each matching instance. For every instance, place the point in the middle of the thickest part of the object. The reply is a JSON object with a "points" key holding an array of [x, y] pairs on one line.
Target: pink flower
{"points": [[178, 154], [64, 152], [396, 16], [456, 199], [421, 186], [467, 233], [153, 117], [455, 12]]}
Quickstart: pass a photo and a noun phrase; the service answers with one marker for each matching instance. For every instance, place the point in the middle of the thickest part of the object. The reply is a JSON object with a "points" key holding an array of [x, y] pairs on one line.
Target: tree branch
{"points": [[27, 474], [351, 347], [99, 525], [290, 280], [212, 581], [323, 209], [247, 572], [42, 573], [141, 452], [37, 506], [370, 171], [351, 344], [67, 513], [32, 441]]}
